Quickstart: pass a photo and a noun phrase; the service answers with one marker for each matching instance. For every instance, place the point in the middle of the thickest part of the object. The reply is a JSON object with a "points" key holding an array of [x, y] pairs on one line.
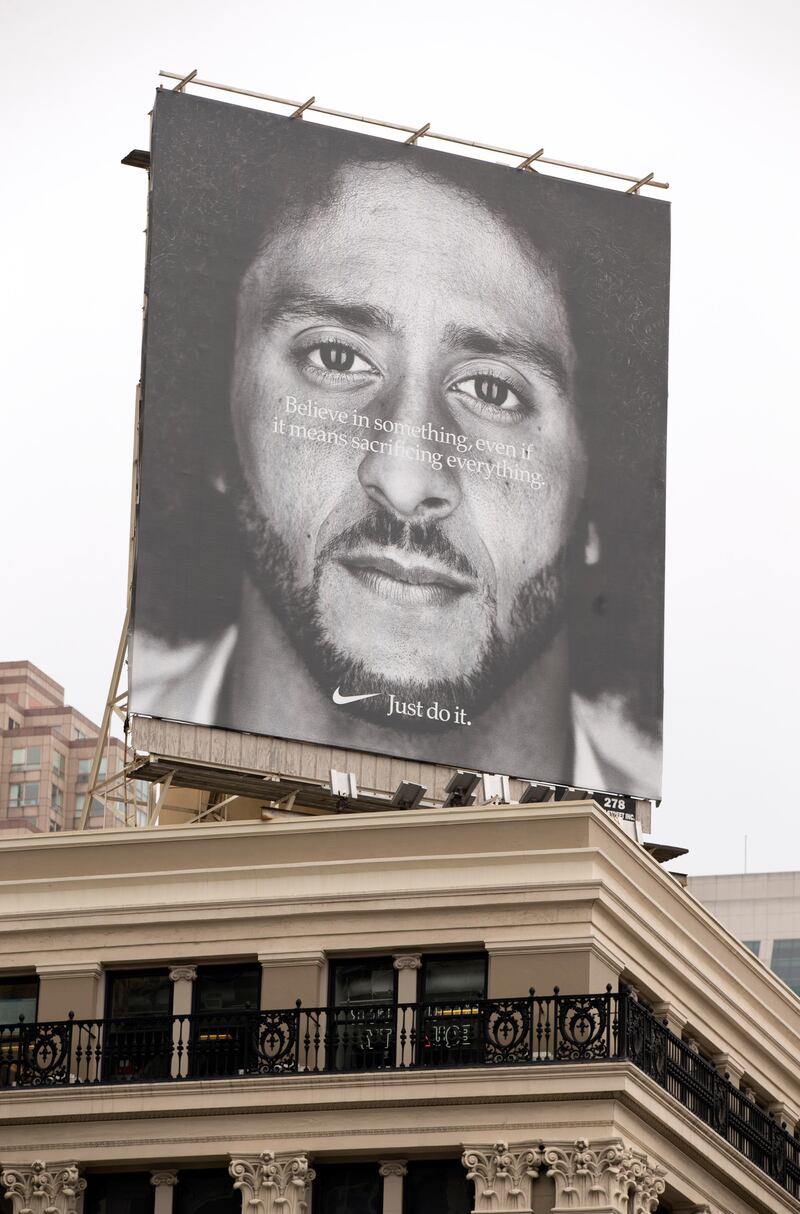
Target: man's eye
{"points": [[336, 356], [489, 390]]}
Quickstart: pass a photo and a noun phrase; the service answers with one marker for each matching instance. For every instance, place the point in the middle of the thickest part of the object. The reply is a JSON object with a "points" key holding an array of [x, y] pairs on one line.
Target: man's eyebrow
{"points": [[499, 344], [310, 305]]}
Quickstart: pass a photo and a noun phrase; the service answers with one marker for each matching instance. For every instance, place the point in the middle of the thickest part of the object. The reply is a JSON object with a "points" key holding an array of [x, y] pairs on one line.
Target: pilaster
{"points": [[37, 1189], [393, 1171], [164, 1182], [183, 979], [273, 1184], [603, 1178], [503, 1177]]}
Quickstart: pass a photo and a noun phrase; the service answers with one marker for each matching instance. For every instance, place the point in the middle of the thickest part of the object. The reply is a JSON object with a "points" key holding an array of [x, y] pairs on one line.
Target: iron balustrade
{"points": [[437, 1034]]}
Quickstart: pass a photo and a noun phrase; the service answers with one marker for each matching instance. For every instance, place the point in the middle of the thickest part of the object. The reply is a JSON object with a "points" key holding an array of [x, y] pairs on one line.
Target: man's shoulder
{"points": [[181, 682], [611, 753]]}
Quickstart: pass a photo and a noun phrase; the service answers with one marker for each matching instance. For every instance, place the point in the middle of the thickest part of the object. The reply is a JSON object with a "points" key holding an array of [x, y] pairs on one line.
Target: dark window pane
{"points": [[786, 962], [436, 1186], [139, 994], [454, 978], [347, 1188], [206, 1191], [227, 987], [18, 997], [753, 945], [119, 1193], [367, 980]]}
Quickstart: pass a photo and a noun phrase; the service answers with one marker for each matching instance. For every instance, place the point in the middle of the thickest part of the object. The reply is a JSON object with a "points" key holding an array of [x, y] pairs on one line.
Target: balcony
{"points": [[528, 1032]]}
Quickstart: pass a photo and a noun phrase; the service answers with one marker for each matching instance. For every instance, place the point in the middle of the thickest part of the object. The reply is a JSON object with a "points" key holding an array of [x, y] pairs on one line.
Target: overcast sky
{"points": [[703, 93]]}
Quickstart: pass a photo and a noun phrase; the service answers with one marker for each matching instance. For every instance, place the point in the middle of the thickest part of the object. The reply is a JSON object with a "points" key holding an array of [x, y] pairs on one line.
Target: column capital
{"points": [[164, 1177], [39, 1189], [273, 1184], [607, 1174], [407, 961], [393, 1167], [183, 973], [503, 1177]]}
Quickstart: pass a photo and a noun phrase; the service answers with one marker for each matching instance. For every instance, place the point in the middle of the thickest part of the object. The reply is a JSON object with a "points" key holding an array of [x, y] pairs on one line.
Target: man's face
{"points": [[412, 536]]}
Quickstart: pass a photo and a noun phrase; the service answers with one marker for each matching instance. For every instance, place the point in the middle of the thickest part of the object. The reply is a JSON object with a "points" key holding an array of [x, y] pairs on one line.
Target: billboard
{"points": [[402, 451]]}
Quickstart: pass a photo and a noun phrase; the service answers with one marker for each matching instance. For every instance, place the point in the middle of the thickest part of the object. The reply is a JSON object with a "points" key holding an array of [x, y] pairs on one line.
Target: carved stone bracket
{"points": [[503, 1177], [603, 1177], [38, 1189], [272, 1184]]}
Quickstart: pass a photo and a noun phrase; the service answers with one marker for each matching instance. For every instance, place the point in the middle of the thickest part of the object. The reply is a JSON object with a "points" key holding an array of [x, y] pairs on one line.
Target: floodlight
{"points": [[497, 789], [536, 792], [408, 795], [343, 784], [460, 789]]}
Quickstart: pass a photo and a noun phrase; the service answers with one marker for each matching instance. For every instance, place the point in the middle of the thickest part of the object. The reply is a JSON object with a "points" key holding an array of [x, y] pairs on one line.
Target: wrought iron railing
{"points": [[531, 1031]]}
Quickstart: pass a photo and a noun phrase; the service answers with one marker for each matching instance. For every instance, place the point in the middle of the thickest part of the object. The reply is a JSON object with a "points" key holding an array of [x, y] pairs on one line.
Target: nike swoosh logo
{"points": [[338, 698]]}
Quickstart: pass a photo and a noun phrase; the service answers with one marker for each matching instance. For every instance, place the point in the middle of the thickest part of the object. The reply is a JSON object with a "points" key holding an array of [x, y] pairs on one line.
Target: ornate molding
{"points": [[183, 973], [273, 1184], [393, 1167], [605, 1176], [407, 961], [39, 1190], [503, 1177], [166, 1177]]}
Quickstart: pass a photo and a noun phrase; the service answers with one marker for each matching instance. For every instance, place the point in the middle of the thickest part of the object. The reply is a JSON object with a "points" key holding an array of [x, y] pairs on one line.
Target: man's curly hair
{"points": [[225, 178]]}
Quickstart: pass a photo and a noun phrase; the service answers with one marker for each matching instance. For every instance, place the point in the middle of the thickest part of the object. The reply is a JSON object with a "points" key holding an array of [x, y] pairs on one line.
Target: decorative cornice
{"points": [[503, 1177], [407, 961], [166, 1177], [183, 973], [278, 960], [85, 969], [605, 1176], [393, 1167], [273, 1184], [37, 1190]]}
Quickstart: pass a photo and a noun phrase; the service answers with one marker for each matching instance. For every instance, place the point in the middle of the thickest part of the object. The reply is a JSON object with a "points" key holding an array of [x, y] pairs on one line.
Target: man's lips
{"points": [[406, 578]]}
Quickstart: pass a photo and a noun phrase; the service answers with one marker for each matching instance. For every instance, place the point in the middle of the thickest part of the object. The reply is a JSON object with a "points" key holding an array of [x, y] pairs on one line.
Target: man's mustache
{"points": [[383, 529]]}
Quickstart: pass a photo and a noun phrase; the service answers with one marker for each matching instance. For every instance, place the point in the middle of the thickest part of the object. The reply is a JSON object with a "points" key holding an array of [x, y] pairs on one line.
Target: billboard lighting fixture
{"points": [[460, 789], [408, 795], [343, 785], [536, 792], [496, 789]]}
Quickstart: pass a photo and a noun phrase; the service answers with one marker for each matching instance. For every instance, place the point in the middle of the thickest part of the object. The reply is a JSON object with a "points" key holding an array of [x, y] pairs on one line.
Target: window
{"points": [[56, 796], [786, 962], [205, 1191], [79, 735], [450, 1019], [362, 1016], [753, 945], [119, 1193], [12, 724], [58, 763], [348, 1188], [138, 1044], [19, 996], [23, 794], [23, 757], [138, 993], [234, 988], [85, 767], [437, 1184]]}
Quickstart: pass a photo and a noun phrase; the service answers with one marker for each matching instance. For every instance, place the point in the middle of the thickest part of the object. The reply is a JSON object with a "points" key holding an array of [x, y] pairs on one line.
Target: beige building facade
{"points": [[763, 910], [495, 1007]]}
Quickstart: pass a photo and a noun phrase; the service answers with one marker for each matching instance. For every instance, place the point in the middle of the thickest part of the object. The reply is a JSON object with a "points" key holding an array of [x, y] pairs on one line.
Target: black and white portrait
{"points": [[402, 451]]}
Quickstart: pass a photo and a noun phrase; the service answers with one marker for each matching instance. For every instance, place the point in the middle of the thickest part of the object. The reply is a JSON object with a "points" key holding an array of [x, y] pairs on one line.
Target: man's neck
{"points": [[269, 686]]}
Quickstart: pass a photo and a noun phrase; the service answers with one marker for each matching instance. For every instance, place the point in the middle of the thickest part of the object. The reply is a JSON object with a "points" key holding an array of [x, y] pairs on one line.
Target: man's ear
{"points": [[591, 552]]}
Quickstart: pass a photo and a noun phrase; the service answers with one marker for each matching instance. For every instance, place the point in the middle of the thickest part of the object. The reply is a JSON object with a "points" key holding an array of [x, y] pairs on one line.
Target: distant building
{"points": [[763, 910], [46, 752]]}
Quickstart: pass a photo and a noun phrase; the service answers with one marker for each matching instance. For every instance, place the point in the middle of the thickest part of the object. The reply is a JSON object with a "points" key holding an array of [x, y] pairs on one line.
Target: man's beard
{"points": [[537, 616]]}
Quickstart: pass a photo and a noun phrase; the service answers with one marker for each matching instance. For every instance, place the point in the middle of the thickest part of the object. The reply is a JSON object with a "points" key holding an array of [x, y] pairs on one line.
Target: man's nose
{"points": [[403, 478]]}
